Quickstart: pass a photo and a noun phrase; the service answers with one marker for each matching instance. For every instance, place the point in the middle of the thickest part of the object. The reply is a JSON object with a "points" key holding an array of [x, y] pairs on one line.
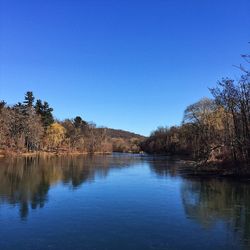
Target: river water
{"points": [[117, 202]]}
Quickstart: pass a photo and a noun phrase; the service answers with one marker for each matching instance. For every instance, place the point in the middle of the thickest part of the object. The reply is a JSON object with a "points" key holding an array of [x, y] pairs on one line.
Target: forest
{"points": [[213, 130], [29, 127]]}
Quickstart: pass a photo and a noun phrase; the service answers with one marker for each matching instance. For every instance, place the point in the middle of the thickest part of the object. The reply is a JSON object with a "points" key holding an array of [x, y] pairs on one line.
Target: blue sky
{"points": [[131, 64]]}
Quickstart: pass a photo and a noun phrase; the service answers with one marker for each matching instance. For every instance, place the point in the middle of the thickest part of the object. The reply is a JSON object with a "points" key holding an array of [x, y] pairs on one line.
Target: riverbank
{"points": [[46, 153], [210, 168], [217, 169], [189, 167]]}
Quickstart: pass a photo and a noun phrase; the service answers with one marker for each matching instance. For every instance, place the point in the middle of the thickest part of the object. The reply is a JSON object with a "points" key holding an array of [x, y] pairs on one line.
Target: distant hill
{"points": [[124, 141], [118, 133]]}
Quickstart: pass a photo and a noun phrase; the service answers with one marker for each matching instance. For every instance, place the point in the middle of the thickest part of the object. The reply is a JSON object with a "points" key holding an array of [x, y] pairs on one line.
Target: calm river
{"points": [[118, 202]]}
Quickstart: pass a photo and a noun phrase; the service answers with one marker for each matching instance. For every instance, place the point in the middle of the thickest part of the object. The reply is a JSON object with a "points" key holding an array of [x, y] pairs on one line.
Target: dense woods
{"points": [[213, 130], [30, 127]]}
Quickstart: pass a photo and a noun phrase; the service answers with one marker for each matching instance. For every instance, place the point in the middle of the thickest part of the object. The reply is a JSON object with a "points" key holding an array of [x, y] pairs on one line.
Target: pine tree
{"points": [[45, 111], [79, 122], [47, 115], [39, 107], [29, 99]]}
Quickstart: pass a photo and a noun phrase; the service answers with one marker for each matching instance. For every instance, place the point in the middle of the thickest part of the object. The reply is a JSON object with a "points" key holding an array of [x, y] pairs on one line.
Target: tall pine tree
{"points": [[29, 99], [45, 111]]}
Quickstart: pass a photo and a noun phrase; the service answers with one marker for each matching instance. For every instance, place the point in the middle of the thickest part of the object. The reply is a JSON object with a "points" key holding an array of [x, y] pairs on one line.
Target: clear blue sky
{"points": [[125, 64]]}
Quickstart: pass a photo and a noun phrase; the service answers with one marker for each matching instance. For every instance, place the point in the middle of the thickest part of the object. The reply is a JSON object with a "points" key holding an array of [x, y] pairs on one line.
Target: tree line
{"points": [[213, 129], [30, 126]]}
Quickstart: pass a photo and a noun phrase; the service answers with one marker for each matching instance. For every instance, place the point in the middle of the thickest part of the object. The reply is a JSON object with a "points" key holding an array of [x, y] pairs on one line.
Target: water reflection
{"points": [[165, 166], [209, 201], [26, 181]]}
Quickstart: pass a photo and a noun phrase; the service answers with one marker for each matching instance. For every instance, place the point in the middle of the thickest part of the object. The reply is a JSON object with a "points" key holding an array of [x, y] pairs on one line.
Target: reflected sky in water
{"points": [[118, 202]]}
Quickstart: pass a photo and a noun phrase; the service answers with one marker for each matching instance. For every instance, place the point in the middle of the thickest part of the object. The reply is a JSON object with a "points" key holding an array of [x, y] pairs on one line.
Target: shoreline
{"points": [[216, 170], [4, 154], [189, 168]]}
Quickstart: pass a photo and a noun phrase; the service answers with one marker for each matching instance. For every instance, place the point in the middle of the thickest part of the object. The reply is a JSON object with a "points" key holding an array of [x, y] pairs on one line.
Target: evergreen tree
{"points": [[29, 99], [39, 107], [45, 111], [2, 104], [79, 122], [47, 115]]}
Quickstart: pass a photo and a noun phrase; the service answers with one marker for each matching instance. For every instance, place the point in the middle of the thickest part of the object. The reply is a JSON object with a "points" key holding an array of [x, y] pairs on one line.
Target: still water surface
{"points": [[118, 202]]}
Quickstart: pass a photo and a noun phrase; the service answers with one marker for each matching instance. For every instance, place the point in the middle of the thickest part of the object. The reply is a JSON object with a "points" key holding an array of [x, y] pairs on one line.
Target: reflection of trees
{"points": [[164, 166], [210, 201], [26, 181]]}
